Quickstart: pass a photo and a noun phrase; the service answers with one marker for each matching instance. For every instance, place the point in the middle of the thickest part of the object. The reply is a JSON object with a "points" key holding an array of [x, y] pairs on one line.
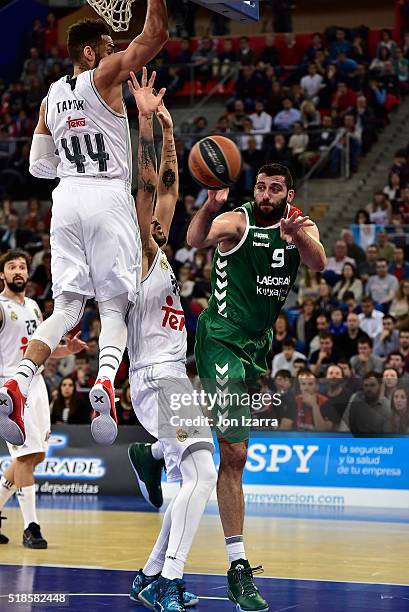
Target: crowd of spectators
{"points": [[340, 354], [340, 357], [287, 102]]}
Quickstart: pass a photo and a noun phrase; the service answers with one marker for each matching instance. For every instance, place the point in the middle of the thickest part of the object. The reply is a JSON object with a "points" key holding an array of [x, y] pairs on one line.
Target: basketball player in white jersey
{"points": [[83, 138], [157, 353], [19, 318]]}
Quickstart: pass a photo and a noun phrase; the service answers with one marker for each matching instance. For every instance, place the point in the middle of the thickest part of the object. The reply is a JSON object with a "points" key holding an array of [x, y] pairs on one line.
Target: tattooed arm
{"points": [[147, 178], [147, 102], [168, 182]]}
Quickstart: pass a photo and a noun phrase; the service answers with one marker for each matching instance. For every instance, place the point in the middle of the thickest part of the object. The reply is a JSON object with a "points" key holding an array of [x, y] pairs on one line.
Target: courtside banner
{"points": [[328, 469], [325, 470], [370, 463], [76, 465]]}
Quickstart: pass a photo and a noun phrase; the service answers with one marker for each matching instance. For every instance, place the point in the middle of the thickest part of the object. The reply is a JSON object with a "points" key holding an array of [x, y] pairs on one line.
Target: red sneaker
{"points": [[12, 403], [104, 421]]}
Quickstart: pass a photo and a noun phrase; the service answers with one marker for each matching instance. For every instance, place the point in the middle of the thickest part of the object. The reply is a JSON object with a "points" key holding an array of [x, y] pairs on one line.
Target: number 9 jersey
{"points": [[250, 283], [92, 140]]}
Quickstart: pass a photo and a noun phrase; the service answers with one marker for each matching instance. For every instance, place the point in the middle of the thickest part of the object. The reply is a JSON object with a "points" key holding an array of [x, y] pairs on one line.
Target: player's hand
{"points": [[164, 116], [146, 98], [75, 345], [217, 199], [290, 227]]}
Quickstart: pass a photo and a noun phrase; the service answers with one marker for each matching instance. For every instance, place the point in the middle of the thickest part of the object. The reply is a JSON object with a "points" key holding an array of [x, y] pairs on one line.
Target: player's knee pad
{"points": [[115, 308], [71, 306], [68, 310], [197, 467]]}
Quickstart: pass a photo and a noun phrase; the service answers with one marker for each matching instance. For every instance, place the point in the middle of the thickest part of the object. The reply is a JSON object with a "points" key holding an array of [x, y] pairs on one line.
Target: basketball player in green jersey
{"points": [[259, 247]]}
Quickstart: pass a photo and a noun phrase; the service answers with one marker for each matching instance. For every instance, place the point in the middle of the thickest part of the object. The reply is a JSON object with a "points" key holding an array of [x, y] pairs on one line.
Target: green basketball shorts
{"points": [[229, 363]]}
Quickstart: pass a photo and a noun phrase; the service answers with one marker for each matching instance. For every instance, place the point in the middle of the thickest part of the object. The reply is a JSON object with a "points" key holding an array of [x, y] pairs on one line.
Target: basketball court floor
{"points": [[314, 559]]}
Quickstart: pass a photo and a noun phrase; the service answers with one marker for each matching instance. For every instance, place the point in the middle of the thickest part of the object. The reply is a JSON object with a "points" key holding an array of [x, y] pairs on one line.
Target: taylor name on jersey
{"points": [[91, 138]]}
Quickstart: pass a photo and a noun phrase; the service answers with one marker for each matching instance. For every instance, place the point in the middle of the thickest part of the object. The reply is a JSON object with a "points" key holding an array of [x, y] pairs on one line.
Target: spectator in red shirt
{"points": [[344, 98], [307, 414], [399, 267]]}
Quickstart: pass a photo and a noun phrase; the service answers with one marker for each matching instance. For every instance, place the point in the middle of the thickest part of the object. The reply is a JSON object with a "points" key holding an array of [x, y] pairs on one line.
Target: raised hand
{"points": [[146, 98], [75, 345], [164, 116], [217, 198], [290, 227]]}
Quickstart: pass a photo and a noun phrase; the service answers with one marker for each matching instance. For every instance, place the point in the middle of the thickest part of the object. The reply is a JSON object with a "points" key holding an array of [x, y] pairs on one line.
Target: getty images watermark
{"points": [[222, 406], [230, 407]]}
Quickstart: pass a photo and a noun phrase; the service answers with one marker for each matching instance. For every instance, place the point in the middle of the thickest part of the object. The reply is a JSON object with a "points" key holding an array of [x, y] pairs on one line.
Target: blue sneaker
{"points": [[141, 581], [164, 595]]}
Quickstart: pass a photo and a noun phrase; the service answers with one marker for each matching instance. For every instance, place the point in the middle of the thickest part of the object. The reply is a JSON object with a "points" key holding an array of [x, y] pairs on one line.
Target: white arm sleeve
{"points": [[43, 159]]}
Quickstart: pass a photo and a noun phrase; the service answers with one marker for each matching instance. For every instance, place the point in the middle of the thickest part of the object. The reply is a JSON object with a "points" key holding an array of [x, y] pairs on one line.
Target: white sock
{"points": [[27, 499], [112, 339], [173, 567], [7, 489], [154, 564], [235, 548], [110, 358], [26, 371], [156, 450], [198, 481]]}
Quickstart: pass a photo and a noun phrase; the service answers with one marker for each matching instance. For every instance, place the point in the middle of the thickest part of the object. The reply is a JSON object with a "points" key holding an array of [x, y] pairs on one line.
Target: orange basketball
{"points": [[215, 162]]}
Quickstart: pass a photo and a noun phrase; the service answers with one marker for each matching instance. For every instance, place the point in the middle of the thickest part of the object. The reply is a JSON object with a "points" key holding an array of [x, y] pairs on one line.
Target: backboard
{"points": [[240, 10]]}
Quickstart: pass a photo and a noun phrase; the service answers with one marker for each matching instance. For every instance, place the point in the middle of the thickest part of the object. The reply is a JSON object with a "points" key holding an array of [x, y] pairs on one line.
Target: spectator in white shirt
{"points": [[262, 121], [285, 359], [382, 286], [340, 258], [312, 83], [186, 254], [370, 320]]}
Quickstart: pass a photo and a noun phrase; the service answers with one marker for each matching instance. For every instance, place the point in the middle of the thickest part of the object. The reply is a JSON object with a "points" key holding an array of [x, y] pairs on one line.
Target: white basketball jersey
{"points": [[91, 138], [19, 324], [156, 323]]}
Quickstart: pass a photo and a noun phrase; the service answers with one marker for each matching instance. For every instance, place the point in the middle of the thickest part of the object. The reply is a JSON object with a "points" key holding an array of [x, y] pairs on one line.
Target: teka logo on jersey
{"points": [[269, 458], [74, 123], [173, 318]]}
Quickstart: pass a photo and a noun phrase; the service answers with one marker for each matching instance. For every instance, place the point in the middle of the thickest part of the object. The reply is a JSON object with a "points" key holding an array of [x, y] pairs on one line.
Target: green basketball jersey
{"points": [[250, 283]]}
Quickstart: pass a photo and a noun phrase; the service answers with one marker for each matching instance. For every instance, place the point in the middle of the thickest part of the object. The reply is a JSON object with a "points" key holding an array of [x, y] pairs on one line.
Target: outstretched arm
{"points": [[208, 228], [115, 68], [147, 101], [305, 235], [168, 183]]}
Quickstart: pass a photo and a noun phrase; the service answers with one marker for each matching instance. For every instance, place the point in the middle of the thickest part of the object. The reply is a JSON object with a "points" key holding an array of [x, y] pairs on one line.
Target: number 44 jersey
{"points": [[92, 140], [250, 283]]}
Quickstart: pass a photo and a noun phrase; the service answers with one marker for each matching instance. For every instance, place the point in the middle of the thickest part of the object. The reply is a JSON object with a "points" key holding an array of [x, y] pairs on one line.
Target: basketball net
{"points": [[117, 13]]}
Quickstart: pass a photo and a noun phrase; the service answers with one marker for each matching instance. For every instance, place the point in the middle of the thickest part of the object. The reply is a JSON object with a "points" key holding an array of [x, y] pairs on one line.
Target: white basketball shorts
{"points": [[157, 393], [95, 241], [36, 420]]}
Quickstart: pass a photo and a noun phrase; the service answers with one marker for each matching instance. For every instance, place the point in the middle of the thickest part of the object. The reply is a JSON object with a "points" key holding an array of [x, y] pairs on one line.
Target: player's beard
{"points": [[160, 240], [275, 214], [16, 288]]}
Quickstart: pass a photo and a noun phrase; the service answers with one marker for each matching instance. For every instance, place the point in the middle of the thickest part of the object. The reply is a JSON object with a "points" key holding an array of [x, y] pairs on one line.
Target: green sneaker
{"points": [[242, 591], [148, 472]]}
